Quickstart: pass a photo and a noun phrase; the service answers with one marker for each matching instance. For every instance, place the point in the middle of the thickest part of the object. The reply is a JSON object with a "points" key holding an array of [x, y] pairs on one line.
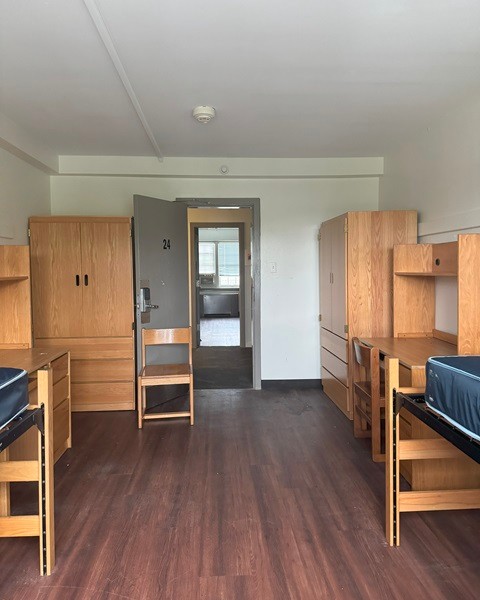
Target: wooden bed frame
{"points": [[397, 450]]}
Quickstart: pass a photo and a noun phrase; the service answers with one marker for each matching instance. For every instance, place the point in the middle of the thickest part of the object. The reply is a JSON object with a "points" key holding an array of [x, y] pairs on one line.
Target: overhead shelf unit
{"points": [[15, 300], [416, 267]]}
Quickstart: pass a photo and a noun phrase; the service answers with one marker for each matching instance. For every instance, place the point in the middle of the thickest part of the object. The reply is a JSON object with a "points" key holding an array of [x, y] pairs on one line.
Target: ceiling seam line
{"points": [[106, 38]]}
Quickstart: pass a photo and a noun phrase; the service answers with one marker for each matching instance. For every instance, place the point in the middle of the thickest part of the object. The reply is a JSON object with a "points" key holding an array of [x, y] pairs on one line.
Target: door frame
{"points": [[254, 205]]}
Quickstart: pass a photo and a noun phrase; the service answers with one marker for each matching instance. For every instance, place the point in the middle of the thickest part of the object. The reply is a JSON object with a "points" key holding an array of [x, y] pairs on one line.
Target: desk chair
{"points": [[368, 397], [173, 374]]}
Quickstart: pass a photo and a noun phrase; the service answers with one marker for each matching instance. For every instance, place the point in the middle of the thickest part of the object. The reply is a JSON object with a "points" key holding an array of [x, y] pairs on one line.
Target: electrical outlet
{"points": [[273, 267]]}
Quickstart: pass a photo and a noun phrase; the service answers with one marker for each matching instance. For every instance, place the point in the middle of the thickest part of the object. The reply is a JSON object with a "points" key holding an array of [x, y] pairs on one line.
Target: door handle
{"points": [[151, 305], [85, 279], [77, 280]]}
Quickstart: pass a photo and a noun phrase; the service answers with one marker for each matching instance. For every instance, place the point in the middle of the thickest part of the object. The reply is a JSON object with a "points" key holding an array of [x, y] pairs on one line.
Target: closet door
{"points": [[326, 275], [56, 285], [339, 289], [107, 278]]}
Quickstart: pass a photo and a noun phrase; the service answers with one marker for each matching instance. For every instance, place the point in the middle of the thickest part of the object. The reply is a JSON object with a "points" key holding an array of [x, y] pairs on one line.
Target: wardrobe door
{"points": [[339, 289], [326, 275], [107, 279], [56, 286]]}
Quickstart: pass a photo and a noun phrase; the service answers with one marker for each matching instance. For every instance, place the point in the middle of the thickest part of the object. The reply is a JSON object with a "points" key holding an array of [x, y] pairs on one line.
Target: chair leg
{"points": [[376, 432], [357, 430], [192, 405], [140, 404]]}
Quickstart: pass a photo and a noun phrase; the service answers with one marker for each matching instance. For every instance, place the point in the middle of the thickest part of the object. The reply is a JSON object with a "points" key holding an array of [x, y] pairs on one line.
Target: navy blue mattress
{"points": [[453, 391], [13, 394]]}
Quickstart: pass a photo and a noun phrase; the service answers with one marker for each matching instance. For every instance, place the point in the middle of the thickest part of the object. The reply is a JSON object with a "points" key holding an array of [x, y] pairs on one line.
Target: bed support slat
{"points": [[427, 448], [439, 500]]}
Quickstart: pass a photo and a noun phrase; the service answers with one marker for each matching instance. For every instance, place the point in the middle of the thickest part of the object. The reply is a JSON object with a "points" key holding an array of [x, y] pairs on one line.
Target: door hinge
{"points": [[133, 326], [319, 237], [28, 232], [319, 317], [346, 328], [345, 227]]}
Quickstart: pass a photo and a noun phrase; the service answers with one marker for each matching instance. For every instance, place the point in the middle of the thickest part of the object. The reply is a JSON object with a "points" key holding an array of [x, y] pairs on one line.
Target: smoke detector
{"points": [[203, 114]]}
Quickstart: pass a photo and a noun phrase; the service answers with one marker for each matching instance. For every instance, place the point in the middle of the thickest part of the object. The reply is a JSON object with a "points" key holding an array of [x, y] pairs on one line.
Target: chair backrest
{"points": [[363, 354], [368, 358], [160, 337]]}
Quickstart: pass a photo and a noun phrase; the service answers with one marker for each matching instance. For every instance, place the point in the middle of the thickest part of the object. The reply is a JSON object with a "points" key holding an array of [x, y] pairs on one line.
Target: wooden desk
{"points": [[31, 360], [412, 354], [425, 474]]}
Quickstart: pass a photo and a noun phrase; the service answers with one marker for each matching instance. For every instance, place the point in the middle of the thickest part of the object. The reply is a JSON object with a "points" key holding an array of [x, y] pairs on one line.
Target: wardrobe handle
{"points": [[77, 280], [86, 279]]}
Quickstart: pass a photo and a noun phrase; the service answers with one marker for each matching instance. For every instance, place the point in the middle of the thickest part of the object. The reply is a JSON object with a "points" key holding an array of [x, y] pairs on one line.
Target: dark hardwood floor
{"points": [[267, 497], [220, 368]]}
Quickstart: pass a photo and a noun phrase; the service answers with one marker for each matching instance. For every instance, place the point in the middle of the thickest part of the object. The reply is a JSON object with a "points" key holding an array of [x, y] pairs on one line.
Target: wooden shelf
{"points": [[19, 278], [15, 304], [423, 274]]}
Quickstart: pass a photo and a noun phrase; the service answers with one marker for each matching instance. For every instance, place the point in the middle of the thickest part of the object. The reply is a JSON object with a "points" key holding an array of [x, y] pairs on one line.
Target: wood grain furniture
{"points": [[82, 289], [33, 360], [429, 474], [356, 265], [368, 397], [15, 304], [165, 374], [416, 268], [38, 469], [448, 445]]}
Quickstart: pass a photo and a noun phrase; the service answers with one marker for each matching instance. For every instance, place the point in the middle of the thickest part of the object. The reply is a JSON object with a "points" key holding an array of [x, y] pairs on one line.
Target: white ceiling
{"points": [[289, 78]]}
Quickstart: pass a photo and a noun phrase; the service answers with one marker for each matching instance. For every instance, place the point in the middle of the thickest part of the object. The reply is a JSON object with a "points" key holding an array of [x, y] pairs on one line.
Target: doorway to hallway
{"points": [[221, 297]]}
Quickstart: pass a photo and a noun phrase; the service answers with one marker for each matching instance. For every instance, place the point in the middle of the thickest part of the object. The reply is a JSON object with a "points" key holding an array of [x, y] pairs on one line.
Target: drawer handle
{"points": [[86, 279], [77, 280]]}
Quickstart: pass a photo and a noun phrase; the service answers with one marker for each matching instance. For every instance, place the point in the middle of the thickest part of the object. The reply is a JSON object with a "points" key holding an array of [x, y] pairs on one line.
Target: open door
{"points": [[161, 271]]}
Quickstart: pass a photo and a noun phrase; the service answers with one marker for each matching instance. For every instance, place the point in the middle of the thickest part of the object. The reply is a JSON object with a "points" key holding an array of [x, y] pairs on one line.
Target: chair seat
{"points": [[158, 372]]}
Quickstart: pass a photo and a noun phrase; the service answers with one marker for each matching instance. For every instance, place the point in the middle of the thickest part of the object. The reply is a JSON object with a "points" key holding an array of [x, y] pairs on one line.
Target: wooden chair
{"points": [[368, 397], [172, 374]]}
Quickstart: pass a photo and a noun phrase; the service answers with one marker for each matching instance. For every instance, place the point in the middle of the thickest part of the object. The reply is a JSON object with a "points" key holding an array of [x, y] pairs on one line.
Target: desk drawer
{"points": [[60, 368], [334, 344], [335, 366], [61, 427], [60, 392], [336, 391]]}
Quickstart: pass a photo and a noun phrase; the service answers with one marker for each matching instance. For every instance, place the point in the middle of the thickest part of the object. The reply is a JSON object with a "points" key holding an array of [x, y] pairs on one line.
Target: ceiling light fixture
{"points": [[203, 114]]}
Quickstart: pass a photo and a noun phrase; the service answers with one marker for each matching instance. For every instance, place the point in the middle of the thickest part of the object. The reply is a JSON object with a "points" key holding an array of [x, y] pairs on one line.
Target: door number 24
{"points": [[166, 244]]}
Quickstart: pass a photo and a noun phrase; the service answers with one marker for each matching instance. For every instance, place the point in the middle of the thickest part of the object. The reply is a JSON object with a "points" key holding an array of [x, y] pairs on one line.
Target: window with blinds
{"points": [[228, 264], [207, 258], [221, 259]]}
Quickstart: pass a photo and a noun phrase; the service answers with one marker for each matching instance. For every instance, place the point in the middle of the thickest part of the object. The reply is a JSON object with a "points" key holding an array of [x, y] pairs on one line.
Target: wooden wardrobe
{"points": [[356, 289], [82, 296]]}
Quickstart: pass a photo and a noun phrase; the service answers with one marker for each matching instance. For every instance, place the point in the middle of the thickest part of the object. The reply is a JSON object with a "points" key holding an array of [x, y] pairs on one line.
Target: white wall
{"points": [[24, 191], [438, 173], [291, 213]]}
